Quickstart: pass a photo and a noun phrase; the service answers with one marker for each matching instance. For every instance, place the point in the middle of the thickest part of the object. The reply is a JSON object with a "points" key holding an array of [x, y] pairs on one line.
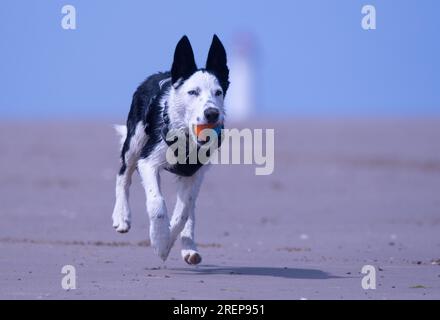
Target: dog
{"points": [[178, 100]]}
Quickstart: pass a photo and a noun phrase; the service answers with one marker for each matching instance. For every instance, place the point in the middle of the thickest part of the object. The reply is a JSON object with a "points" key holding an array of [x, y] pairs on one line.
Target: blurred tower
{"points": [[240, 100]]}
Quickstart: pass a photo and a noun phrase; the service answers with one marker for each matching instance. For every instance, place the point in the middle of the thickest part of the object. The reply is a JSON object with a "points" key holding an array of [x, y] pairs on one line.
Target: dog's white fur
{"points": [[206, 85], [184, 110]]}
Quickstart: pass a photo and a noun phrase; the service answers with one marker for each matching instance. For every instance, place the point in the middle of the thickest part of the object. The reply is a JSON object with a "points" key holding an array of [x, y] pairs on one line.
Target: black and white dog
{"points": [[175, 100]]}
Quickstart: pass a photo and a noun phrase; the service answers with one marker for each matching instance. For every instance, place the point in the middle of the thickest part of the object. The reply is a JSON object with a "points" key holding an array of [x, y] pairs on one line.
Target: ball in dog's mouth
{"points": [[201, 135]]}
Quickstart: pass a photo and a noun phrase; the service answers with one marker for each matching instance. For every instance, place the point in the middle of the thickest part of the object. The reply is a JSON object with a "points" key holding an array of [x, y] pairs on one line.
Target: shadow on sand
{"points": [[289, 273]]}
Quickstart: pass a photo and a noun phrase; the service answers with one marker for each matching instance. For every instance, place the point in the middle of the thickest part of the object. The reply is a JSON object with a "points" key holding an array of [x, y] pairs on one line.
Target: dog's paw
{"points": [[191, 257], [119, 223], [160, 239], [123, 227], [162, 249]]}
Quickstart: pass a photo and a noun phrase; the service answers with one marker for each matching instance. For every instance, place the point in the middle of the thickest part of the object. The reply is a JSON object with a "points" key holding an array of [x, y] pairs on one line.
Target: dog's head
{"points": [[198, 94]]}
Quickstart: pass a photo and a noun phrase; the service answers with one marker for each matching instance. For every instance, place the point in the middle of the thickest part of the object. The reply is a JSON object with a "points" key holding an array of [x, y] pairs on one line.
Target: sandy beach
{"points": [[345, 193]]}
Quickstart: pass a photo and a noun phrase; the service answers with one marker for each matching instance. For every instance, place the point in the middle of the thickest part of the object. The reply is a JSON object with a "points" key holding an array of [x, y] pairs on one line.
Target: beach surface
{"points": [[345, 193]]}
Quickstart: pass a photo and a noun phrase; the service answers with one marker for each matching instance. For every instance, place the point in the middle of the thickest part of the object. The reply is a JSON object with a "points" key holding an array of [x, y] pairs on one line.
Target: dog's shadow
{"points": [[289, 273]]}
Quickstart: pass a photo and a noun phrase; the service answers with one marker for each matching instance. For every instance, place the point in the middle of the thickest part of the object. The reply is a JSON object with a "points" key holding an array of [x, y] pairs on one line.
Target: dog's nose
{"points": [[212, 114]]}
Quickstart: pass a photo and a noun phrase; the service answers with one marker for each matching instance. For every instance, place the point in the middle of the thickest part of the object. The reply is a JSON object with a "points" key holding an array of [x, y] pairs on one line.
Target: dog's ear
{"points": [[216, 62], [184, 64]]}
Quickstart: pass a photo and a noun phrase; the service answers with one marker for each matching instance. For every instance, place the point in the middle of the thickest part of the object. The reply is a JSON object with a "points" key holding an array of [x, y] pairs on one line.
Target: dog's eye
{"points": [[218, 93], [193, 93]]}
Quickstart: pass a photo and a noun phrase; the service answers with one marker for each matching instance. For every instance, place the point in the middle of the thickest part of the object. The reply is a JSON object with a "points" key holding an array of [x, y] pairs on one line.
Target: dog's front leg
{"points": [[157, 211], [183, 216]]}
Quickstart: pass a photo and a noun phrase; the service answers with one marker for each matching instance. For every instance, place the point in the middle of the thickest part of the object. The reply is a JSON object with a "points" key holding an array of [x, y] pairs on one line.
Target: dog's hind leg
{"points": [[131, 148]]}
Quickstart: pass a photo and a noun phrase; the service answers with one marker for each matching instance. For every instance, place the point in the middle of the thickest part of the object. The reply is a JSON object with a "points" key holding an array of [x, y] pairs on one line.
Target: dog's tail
{"points": [[121, 131]]}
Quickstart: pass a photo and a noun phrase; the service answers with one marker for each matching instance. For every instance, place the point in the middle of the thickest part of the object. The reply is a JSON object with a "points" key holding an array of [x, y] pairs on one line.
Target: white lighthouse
{"points": [[240, 100]]}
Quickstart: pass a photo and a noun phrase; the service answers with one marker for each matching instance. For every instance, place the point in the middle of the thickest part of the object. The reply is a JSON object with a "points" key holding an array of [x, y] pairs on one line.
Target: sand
{"points": [[344, 194]]}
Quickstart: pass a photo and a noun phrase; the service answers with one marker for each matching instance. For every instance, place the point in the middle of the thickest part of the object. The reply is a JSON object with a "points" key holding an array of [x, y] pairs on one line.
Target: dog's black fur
{"points": [[145, 107]]}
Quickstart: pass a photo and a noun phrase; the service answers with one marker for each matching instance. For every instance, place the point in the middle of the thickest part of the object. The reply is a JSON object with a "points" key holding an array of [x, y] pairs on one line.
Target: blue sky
{"points": [[313, 56]]}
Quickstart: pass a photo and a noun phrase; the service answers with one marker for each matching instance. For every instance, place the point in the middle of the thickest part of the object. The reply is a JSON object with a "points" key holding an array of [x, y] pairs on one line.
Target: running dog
{"points": [[180, 100]]}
